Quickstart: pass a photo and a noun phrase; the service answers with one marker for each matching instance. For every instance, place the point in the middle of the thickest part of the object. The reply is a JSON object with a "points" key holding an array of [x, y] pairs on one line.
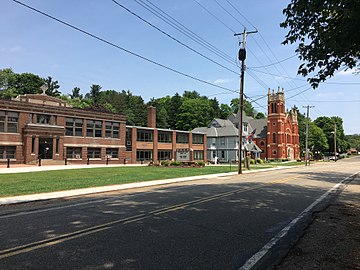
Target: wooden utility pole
{"points": [[242, 57], [307, 134], [335, 157]]}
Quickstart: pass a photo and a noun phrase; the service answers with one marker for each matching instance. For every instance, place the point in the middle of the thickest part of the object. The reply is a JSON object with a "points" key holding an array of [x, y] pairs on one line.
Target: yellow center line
{"points": [[105, 226]]}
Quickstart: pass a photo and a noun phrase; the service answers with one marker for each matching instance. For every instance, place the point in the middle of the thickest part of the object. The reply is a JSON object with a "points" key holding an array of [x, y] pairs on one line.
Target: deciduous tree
{"points": [[327, 34]]}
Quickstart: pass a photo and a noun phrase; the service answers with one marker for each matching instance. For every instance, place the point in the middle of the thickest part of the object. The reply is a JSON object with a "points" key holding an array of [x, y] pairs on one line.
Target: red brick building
{"points": [[282, 129], [40, 126]]}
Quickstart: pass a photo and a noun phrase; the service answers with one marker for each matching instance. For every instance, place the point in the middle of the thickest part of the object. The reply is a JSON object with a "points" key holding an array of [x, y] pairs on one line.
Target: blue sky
{"points": [[34, 43]]}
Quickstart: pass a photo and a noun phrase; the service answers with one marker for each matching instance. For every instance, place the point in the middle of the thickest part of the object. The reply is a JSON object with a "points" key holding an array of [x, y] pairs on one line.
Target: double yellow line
{"points": [[105, 226]]}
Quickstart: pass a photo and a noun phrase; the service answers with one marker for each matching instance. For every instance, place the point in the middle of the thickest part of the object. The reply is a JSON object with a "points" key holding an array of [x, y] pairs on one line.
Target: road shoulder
{"points": [[332, 241]]}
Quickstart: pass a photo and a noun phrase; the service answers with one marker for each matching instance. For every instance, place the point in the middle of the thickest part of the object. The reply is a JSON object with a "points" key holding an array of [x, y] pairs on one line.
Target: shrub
{"points": [[259, 161], [175, 163], [252, 161], [165, 163], [200, 164]]}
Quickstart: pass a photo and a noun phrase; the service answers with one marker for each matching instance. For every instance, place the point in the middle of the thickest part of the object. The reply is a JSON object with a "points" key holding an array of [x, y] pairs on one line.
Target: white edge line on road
{"points": [[265, 249]]}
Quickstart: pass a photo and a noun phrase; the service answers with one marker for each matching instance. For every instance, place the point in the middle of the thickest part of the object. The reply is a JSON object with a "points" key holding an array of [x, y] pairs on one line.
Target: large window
{"points": [[274, 137], [7, 152], [93, 152], [164, 155], [73, 152], [182, 137], [199, 155], [9, 121], [128, 139], [112, 130], [74, 127], [43, 119], [198, 139], [142, 155], [144, 135], [164, 137], [112, 152], [93, 128]]}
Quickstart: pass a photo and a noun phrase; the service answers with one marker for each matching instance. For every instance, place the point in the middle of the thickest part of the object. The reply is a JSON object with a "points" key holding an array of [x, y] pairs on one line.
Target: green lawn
{"points": [[47, 181]]}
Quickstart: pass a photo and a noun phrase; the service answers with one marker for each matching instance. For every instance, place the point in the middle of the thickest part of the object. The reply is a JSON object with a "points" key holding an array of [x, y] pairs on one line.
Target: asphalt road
{"points": [[224, 223]]}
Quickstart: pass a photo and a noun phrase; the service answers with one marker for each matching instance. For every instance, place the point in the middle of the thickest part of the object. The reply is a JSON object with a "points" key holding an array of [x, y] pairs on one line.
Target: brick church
{"points": [[276, 137]]}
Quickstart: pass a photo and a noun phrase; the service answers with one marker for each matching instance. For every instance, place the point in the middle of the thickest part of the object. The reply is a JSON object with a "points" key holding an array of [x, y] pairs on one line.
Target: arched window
{"points": [[262, 143], [274, 152], [274, 137], [273, 108]]}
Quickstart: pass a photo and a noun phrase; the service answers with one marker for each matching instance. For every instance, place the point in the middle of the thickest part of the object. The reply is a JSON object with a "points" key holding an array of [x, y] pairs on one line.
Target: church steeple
{"points": [[276, 101]]}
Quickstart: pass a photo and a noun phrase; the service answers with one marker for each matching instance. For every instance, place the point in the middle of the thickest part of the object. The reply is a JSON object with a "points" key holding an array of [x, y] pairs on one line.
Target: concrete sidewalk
{"points": [[92, 190]]}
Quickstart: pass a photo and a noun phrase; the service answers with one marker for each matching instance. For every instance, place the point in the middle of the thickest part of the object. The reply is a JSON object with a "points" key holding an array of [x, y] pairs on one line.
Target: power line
{"points": [[273, 64], [121, 48], [292, 78], [165, 17], [263, 39], [334, 101], [208, 11], [173, 38], [222, 7]]}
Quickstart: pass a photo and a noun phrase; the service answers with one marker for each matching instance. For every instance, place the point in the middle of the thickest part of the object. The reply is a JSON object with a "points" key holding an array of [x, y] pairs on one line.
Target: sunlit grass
{"points": [[48, 181]]}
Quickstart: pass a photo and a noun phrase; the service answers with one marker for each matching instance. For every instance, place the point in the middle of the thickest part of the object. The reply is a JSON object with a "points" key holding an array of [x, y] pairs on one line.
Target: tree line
{"points": [[182, 112]]}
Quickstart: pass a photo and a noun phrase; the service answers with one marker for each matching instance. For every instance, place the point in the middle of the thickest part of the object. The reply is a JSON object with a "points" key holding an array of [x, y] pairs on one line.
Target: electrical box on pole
{"points": [[242, 54]]}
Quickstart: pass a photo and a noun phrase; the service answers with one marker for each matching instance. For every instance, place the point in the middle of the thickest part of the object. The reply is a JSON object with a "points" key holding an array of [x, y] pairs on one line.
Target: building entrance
{"points": [[46, 148]]}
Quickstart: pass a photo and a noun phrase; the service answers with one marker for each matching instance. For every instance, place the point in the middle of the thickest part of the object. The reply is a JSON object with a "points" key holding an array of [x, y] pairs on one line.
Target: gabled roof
{"points": [[261, 127]]}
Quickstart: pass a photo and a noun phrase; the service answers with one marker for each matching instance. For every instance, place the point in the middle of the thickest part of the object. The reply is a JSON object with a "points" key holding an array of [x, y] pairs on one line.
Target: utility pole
{"points": [[242, 57], [335, 143], [307, 134]]}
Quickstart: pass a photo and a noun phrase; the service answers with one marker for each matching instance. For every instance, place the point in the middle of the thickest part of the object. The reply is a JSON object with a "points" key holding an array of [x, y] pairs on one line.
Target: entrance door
{"points": [[45, 148]]}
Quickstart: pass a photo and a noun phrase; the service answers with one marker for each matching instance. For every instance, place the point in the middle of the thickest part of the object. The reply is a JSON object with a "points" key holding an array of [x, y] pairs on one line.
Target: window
{"points": [[9, 121], [222, 140], [43, 119], [74, 127], [164, 137], [198, 139], [93, 152], [54, 119], [73, 152], [245, 125], [128, 139], [199, 155], [274, 137], [273, 108], [182, 137], [7, 152], [93, 128], [144, 135], [164, 154], [31, 118], [33, 145], [222, 154], [112, 130], [142, 155], [57, 145], [262, 143], [274, 152], [112, 152]]}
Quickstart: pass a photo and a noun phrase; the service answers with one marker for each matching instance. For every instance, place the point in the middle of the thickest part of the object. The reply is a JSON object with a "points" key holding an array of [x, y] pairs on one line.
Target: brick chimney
{"points": [[151, 118]]}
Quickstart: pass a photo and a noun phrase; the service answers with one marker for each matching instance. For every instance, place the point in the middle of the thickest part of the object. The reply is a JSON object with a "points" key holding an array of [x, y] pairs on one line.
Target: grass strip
{"points": [[49, 181]]}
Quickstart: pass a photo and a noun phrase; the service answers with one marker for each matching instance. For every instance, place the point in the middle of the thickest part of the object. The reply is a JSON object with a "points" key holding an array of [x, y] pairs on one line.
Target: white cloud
{"points": [[330, 94], [222, 81], [15, 49], [347, 72]]}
